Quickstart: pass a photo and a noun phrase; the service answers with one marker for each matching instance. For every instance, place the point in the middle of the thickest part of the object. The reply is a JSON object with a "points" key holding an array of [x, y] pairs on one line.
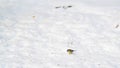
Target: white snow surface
{"points": [[36, 34]]}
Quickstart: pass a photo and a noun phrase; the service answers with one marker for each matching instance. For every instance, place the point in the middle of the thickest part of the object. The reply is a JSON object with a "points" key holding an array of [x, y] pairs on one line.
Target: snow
{"points": [[36, 34]]}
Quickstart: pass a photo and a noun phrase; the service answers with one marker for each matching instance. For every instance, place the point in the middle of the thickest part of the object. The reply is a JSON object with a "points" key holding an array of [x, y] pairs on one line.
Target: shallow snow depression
{"points": [[39, 33]]}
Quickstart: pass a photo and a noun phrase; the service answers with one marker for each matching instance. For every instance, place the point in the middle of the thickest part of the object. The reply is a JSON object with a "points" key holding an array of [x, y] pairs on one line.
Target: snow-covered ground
{"points": [[37, 33]]}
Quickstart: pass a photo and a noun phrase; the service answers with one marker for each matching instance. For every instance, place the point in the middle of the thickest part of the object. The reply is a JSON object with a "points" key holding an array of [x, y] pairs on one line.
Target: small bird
{"points": [[70, 51]]}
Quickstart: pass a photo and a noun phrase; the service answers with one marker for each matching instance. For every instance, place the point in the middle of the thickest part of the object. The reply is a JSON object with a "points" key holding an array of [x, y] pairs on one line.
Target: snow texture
{"points": [[37, 33]]}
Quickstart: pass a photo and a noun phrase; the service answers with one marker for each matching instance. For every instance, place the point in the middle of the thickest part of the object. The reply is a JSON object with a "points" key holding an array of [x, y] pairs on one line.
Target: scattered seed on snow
{"points": [[70, 6], [33, 17], [117, 26], [57, 7]]}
